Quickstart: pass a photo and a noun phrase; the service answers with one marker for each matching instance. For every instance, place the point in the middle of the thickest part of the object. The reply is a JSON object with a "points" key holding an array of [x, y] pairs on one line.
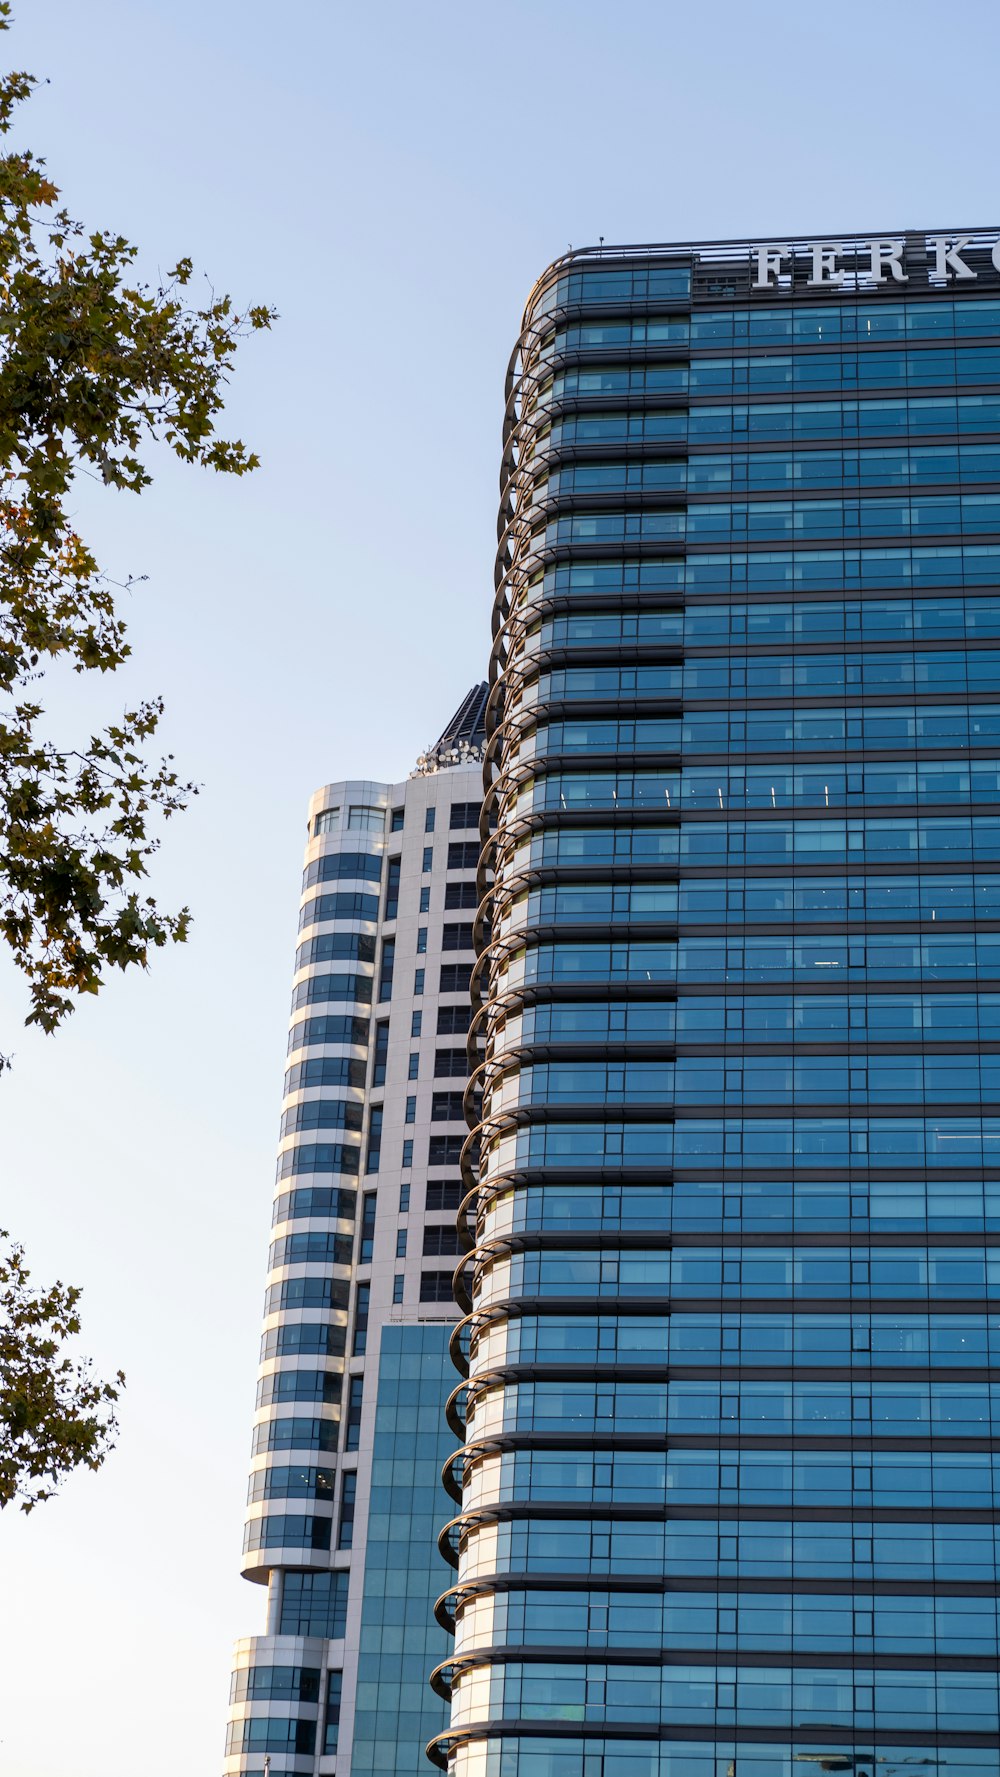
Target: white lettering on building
{"points": [[825, 265], [887, 256], [768, 265], [947, 250], [886, 260]]}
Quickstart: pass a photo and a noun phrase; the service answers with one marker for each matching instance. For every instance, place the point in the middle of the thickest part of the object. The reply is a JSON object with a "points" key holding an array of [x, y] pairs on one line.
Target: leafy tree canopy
{"points": [[54, 1414], [94, 365]]}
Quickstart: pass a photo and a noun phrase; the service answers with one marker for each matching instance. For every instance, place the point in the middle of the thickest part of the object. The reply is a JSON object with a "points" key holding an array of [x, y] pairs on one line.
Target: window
{"points": [[463, 854], [348, 905], [288, 1531], [421, 940], [367, 1228], [319, 1156], [447, 1107], [411, 1109], [332, 1729], [336, 947], [319, 1248], [328, 1030], [295, 1434], [442, 1194], [355, 1393], [332, 987], [315, 1200], [418, 980], [408, 1152], [313, 1604], [366, 818], [396, 821], [464, 815], [326, 821], [320, 1113], [458, 936], [306, 1292], [271, 1734], [453, 1021], [414, 1067], [440, 1239], [436, 1286], [404, 1199], [295, 1339], [386, 966], [451, 1064], [430, 816], [381, 1053], [284, 1684], [460, 894], [455, 978], [397, 1287], [342, 866], [289, 1482], [425, 901], [374, 1138], [325, 1070], [428, 859], [362, 1303], [348, 1496], [392, 889], [445, 1150], [299, 1385], [401, 1243], [416, 1021]]}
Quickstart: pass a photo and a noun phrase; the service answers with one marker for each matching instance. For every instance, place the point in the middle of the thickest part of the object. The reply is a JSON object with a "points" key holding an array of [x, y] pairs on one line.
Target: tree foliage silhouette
{"points": [[96, 366]]}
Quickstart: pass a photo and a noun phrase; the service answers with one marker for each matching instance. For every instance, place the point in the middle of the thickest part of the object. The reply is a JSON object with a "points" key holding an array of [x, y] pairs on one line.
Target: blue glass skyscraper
{"points": [[723, 1493]]}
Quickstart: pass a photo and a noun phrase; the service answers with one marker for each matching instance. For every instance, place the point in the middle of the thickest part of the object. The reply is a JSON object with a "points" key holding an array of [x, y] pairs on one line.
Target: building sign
{"points": [[876, 262]]}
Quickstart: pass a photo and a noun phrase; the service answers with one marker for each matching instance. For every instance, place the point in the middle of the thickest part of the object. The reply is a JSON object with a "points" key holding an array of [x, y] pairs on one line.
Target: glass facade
{"points": [[724, 1497], [395, 1713]]}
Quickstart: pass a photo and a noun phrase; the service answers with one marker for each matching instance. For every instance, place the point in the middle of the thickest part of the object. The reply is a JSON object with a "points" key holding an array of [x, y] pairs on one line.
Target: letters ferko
{"points": [[887, 260]]}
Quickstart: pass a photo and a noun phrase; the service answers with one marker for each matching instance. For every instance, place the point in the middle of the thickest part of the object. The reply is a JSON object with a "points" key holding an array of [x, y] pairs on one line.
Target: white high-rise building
{"points": [[349, 1434]]}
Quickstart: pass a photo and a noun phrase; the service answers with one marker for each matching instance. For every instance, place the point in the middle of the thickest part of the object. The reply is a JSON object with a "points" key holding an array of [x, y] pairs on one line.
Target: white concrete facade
{"points": [[381, 1058]]}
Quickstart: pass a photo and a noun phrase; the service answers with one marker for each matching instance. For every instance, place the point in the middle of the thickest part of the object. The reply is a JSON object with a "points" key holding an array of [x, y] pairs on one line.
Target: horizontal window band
{"points": [[569, 403], [806, 1442], [727, 1104], [732, 1167], [680, 548], [864, 809], [531, 1728], [534, 1580], [666, 1372], [529, 1510], [673, 991], [518, 1653], [557, 761], [684, 874], [622, 498], [619, 1048], [558, 601], [754, 349], [809, 1305]]}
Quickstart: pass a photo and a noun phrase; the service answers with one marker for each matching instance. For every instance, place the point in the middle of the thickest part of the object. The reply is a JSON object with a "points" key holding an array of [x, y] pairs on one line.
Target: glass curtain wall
{"points": [[724, 1498]]}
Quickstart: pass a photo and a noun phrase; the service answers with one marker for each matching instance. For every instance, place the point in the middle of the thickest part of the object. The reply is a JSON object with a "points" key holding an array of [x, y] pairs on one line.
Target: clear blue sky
{"points": [[392, 177]]}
